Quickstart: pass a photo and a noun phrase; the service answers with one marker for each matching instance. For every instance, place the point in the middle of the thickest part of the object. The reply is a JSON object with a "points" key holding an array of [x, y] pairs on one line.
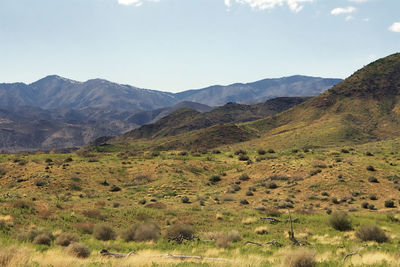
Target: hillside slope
{"points": [[362, 108], [186, 120]]}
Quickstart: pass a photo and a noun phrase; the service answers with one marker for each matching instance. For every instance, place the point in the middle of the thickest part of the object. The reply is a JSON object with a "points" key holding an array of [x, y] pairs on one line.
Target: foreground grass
{"points": [[62, 192]]}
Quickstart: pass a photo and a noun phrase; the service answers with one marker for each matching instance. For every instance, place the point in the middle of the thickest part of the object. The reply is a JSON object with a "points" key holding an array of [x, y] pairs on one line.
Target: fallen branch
{"points": [[273, 242], [106, 253], [354, 252], [271, 220], [183, 257]]}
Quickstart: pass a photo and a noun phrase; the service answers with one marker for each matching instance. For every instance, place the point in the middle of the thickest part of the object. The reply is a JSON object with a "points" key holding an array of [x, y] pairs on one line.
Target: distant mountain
{"points": [[364, 107], [30, 128], [54, 92], [260, 91], [186, 120]]}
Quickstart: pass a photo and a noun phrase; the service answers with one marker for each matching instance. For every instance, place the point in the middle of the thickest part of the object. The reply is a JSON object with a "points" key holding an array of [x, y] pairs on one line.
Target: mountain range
{"points": [[364, 107], [55, 112]]}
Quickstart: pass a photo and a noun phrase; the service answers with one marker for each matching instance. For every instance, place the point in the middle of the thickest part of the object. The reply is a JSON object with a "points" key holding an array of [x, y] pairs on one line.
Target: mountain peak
{"points": [[377, 79]]}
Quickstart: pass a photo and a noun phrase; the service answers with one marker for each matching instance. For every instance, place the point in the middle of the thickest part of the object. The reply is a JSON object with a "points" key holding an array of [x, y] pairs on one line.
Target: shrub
{"points": [[92, 213], [261, 152], [315, 172], [373, 197], [179, 232], [224, 240], [244, 177], [364, 205], [78, 250], [271, 151], [344, 151], [185, 199], [40, 182], [142, 232], [22, 204], [244, 202], [215, 178], [115, 188], [42, 239], [371, 233], [262, 230], [84, 227], [249, 193], [66, 239], [272, 185], [240, 152], [300, 258], [389, 204], [340, 221], [243, 157], [103, 232], [373, 180], [371, 168]]}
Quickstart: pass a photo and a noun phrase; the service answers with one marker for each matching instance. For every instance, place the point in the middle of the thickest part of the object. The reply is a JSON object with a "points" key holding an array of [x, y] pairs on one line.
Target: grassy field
{"points": [[224, 197]]}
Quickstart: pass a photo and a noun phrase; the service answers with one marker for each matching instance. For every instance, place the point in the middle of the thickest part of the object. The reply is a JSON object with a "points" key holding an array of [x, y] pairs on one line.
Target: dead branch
{"points": [[183, 257], [271, 220], [273, 242], [106, 253]]}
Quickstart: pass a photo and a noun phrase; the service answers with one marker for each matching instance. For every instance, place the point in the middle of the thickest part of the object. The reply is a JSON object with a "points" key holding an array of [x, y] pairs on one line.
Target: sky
{"points": [[176, 45]]}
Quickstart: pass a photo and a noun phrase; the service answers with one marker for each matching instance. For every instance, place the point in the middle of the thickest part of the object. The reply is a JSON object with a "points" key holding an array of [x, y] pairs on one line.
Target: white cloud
{"points": [[341, 10], [294, 5], [348, 18], [395, 27], [227, 3], [134, 2]]}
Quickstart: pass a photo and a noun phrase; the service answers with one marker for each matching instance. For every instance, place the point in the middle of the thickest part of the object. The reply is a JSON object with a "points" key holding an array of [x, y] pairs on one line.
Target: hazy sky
{"points": [[173, 45]]}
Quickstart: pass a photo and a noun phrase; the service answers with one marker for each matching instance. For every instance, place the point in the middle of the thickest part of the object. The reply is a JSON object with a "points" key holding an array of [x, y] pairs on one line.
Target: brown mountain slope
{"points": [[362, 108]]}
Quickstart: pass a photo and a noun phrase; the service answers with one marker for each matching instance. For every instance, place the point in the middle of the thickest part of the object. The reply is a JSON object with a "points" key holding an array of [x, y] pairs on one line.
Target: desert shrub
{"points": [[243, 157], [364, 205], [279, 177], [142, 232], [223, 240], [32, 234], [344, 151], [371, 233], [249, 193], [272, 212], [42, 239], [389, 204], [103, 232], [373, 180], [240, 152], [244, 177], [92, 213], [142, 202], [340, 221], [261, 151], [22, 204], [115, 188], [78, 250], [179, 232], [373, 197], [371, 206], [66, 239], [262, 230], [300, 258], [40, 182], [244, 202], [315, 172], [272, 185], [335, 200], [84, 227], [215, 178], [185, 199], [271, 151], [371, 168], [369, 154]]}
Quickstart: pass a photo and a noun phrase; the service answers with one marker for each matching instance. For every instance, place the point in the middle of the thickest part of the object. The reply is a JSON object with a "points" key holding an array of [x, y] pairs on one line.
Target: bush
{"points": [[215, 178], [66, 239], [365, 205], [371, 168], [185, 199], [244, 202], [244, 177], [240, 152], [371, 233], [179, 232], [340, 221], [78, 250], [389, 204], [300, 258], [243, 157], [142, 232], [272, 185], [373, 180], [224, 240], [261, 152], [42, 239], [115, 188], [84, 227], [373, 197], [103, 232]]}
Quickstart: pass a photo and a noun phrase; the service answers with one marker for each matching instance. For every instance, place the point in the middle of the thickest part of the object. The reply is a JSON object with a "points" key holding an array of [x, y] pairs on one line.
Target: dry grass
{"points": [[249, 220], [300, 258], [261, 230], [13, 256]]}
